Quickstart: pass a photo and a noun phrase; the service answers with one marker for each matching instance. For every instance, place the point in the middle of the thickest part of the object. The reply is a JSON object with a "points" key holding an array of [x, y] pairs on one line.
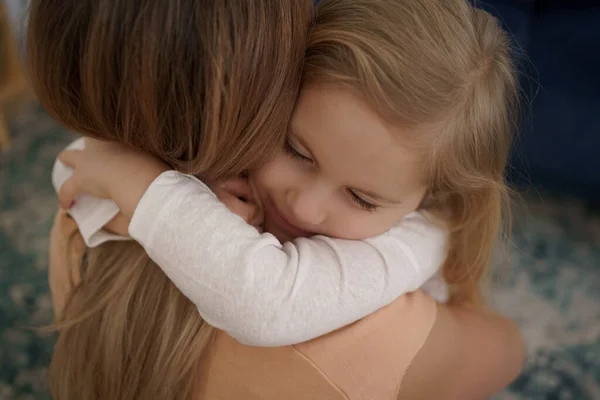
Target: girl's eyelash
{"points": [[289, 149], [363, 204]]}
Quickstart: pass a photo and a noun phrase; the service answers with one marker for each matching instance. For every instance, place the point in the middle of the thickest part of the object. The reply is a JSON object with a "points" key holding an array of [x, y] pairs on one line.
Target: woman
{"points": [[124, 322]]}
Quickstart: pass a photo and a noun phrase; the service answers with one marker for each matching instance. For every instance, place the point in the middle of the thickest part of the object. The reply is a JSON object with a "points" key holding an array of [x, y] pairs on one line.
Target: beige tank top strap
{"points": [[363, 361], [369, 359]]}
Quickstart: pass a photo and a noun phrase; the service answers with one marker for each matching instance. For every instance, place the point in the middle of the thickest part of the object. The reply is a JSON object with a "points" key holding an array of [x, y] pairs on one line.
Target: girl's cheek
{"points": [[276, 172]]}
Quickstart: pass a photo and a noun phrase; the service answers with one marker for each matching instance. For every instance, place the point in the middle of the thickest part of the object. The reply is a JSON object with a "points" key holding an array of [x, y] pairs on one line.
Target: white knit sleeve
{"points": [[90, 213], [266, 293]]}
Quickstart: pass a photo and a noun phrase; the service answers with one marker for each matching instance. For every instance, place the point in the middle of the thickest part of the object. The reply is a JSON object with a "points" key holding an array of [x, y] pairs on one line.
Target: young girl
{"points": [[401, 134]]}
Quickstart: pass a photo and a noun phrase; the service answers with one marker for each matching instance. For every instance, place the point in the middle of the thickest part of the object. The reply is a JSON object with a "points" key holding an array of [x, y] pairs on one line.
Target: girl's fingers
{"points": [[66, 194], [70, 157], [240, 198], [238, 187], [257, 219], [243, 209]]}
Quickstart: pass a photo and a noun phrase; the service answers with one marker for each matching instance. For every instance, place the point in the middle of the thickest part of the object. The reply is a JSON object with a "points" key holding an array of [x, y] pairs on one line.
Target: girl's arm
{"points": [[260, 291], [100, 220]]}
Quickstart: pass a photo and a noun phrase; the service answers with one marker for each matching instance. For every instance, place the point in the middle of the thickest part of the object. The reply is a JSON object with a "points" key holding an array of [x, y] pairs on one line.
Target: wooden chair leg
{"points": [[4, 134]]}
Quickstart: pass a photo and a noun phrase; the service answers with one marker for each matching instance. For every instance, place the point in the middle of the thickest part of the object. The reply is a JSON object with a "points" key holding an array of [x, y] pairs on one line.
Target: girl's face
{"points": [[342, 173]]}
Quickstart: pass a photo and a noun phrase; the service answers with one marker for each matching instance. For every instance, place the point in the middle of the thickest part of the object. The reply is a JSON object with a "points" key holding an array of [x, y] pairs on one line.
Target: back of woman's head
{"points": [[207, 86], [444, 69]]}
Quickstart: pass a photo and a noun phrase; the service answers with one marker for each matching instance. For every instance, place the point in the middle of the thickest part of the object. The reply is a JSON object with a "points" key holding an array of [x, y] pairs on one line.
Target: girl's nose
{"points": [[308, 205]]}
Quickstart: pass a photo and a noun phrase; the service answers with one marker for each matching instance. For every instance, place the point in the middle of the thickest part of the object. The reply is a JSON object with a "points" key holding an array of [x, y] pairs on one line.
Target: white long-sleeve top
{"points": [[258, 290]]}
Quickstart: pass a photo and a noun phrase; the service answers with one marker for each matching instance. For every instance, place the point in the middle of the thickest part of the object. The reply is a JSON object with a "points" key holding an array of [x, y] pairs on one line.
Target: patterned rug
{"points": [[552, 287]]}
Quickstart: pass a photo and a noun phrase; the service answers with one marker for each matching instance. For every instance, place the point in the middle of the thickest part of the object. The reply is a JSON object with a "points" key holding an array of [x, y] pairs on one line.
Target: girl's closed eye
{"points": [[362, 203], [294, 153]]}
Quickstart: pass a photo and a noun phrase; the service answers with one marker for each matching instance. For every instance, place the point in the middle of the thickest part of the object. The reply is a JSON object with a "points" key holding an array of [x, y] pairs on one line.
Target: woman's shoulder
{"points": [[365, 360], [369, 358], [470, 353]]}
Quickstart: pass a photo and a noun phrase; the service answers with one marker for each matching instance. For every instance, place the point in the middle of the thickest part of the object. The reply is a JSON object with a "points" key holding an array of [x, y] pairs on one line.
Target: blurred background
{"points": [[551, 285]]}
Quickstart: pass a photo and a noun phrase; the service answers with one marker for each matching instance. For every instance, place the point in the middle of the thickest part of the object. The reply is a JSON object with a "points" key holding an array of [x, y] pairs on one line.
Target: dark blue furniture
{"points": [[559, 140]]}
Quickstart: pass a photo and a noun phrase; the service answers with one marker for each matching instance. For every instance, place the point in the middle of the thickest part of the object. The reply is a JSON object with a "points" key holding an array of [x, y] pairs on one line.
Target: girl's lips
{"points": [[282, 224]]}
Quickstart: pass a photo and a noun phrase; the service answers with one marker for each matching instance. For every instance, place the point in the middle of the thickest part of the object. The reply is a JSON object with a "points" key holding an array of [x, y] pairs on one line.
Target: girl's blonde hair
{"points": [[208, 87], [445, 69]]}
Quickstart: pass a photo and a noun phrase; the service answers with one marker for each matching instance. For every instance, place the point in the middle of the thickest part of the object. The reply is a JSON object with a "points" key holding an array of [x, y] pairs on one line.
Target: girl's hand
{"points": [[119, 225], [239, 197], [102, 169], [91, 172]]}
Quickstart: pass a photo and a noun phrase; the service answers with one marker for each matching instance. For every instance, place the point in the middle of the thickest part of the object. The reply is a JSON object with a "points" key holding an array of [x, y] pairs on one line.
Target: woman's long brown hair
{"points": [[207, 86]]}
